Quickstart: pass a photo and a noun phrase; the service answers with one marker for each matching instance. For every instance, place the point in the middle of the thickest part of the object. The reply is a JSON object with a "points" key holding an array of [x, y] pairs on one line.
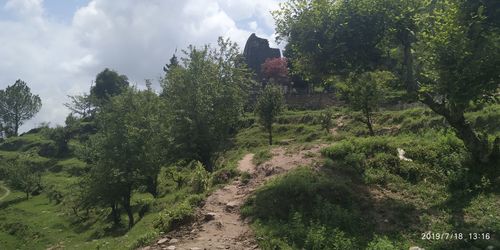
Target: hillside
{"points": [[359, 191]]}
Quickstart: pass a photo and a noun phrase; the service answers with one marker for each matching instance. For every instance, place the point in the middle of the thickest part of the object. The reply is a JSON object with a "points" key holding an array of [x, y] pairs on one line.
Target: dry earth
{"points": [[219, 225]]}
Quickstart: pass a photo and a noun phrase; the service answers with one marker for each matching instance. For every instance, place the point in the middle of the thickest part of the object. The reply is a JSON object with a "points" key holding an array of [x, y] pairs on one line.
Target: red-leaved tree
{"points": [[276, 70]]}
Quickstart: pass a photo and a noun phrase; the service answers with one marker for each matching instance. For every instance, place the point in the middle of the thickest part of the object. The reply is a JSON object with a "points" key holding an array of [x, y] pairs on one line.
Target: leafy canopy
{"points": [[17, 104], [204, 97]]}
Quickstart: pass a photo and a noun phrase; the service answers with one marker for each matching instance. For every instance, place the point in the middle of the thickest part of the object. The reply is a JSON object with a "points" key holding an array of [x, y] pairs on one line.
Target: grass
{"points": [[342, 205], [366, 198], [262, 156]]}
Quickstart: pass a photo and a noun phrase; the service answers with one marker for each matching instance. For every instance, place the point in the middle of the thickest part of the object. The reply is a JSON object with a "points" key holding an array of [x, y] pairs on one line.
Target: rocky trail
{"points": [[218, 224]]}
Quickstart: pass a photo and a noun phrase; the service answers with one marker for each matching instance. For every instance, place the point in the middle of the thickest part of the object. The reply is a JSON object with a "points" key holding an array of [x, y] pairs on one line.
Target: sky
{"points": [[59, 46]]}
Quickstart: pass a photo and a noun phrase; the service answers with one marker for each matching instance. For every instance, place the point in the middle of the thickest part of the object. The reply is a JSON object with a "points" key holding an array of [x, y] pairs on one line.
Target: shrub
{"points": [[245, 177], [222, 176], [144, 240], [261, 156], [195, 199], [174, 217], [381, 243], [200, 179], [319, 238]]}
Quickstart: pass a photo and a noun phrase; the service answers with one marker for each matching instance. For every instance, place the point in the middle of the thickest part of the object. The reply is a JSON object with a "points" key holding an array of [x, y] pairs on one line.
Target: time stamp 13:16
{"points": [[455, 236]]}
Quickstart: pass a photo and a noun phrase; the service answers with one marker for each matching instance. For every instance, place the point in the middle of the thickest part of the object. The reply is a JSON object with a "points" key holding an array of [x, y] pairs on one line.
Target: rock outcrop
{"points": [[256, 52]]}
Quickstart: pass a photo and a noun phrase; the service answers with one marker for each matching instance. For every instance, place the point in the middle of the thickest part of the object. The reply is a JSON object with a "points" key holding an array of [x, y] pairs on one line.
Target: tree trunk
{"points": [[128, 209], [477, 146], [270, 129], [409, 79], [152, 186], [369, 123], [115, 213]]}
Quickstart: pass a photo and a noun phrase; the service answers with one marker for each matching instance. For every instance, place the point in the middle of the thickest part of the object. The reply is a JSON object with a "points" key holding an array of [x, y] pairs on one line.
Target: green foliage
{"points": [[364, 92], [204, 98], [144, 240], [326, 120], [438, 155], [174, 217], [127, 151], [319, 238], [17, 105], [200, 178], [108, 83], [331, 37], [245, 177], [307, 210], [80, 105], [262, 156], [269, 105], [223, 176], [381, 243], [71, 166], [24, 176]]}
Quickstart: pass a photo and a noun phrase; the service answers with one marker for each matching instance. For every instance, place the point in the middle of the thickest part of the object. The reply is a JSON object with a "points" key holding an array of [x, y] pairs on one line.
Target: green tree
{"points": [[23, 176], [448, 50], [459, 54], [80, 105], [269, 105], [17, 105], [127, 152], [204, 98], [328, 37], [108, 83], [174, 62], [365, 91]]}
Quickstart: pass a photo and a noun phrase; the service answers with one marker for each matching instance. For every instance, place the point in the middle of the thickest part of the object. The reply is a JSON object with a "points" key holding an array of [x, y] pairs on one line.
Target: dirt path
{"points": [[7, 192], [219, 225]]}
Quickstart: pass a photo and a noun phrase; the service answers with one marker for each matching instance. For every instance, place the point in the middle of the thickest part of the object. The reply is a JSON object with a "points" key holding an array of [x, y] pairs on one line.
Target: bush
{"points": [[222, 176], [319, 238], [144, 240], [245, 177], [381, 243], [262, 156], [200, 179], [176, 216]]}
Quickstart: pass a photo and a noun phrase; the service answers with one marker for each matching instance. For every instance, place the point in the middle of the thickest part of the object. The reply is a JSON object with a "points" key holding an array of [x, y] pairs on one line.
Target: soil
{"points": [[218, 224]]}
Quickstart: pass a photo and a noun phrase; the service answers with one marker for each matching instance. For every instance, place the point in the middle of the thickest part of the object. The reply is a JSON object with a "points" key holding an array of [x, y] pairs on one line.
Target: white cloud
{"points": [[133, 37]]}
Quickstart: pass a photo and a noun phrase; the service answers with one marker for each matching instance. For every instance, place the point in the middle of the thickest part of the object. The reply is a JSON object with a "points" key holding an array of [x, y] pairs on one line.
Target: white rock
{"points": [[416, 248], [161, 241], [173, 241], [401, 155], [171, 248]]}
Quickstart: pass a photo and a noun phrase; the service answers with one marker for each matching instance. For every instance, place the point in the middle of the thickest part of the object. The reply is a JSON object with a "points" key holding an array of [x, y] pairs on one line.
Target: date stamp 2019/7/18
{"points": [[455, 236]]}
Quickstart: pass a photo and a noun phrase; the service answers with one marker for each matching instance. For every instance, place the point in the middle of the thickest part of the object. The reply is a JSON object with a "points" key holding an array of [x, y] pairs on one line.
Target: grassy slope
{"points": [[47, 224], [364, 197]]}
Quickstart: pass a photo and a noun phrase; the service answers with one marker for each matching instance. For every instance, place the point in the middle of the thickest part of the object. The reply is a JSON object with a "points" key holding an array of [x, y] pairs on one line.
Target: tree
{"points": [[22, 175], [127, 152], [330, 37], [456, 51], [17, 105], [204, 99], [108, 83], [276, 70], [80, 105], [269, 105], [173, 63], [459, 52], [365, 91]]}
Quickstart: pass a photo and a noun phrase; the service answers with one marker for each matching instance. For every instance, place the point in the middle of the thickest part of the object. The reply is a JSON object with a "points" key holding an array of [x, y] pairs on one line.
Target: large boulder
{"points": [[256, 52]]}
